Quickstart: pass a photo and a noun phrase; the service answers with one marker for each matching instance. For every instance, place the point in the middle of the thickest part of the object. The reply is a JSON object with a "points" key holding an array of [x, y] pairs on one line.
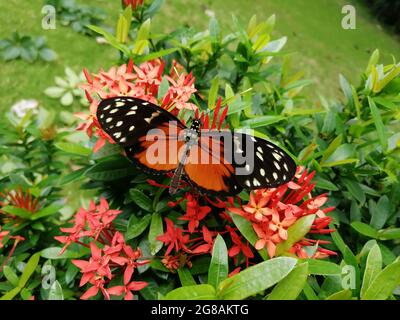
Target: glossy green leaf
{"points": [[142, 200], [322, 267], [10, 275], [341, 295], [364, 229], [53, 253], [389, 234], [197, 292], [291, 286], [255, 279], [384, 283], [372, 268], [111, 170], [156, 229], [186, 277], [56, 292], [355, 189], [219, 268], [296, 232], [73, 148], [380, 128], [136, 226]]}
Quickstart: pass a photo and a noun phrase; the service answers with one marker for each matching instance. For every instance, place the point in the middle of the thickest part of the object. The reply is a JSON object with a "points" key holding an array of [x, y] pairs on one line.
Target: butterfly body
{"points": [[217, 162]]}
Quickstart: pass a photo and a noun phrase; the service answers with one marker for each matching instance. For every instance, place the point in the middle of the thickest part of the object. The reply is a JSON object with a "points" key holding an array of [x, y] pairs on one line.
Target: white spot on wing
{"points": [[108, 107], [247, 183], [262, 172], [131, 128], [130, 113], [286, 167], [275, 175], [122, 140], [119, 123], [276, 156], [120, 104], [117, 135], [276, 164], [108, 119], [114, 110], [259, 155]]}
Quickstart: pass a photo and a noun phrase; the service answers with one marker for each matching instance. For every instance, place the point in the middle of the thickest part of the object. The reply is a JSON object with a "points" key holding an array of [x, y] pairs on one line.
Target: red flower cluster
{"points": [[141, 82], [112, 258], [273, 211], [133, 3]]}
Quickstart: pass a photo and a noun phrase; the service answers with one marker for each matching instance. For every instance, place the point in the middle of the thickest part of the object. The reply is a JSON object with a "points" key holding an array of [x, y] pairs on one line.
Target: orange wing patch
{"points": [[208, 171], [160, 148]]}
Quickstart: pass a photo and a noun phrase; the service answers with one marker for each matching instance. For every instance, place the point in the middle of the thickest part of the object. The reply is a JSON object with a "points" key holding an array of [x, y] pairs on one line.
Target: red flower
{"points": [[238, 245], [174, 238], [194, 212], [133, 3], [19, 199], [127, 289], [98, 265], [273, 211]]}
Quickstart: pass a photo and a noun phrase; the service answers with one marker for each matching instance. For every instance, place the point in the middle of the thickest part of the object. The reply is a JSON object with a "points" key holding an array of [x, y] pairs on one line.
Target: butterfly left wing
{"points": [[224, 163], [137, 125]]}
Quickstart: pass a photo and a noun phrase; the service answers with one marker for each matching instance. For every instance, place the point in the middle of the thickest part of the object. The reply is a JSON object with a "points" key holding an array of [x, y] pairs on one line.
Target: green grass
{"points": [[322, 48]]}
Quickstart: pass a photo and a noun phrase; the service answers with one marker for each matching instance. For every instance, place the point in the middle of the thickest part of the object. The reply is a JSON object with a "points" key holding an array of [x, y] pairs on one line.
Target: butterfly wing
{"points": [[260, 163], [140, 126], [224, 163], [208, 170]]}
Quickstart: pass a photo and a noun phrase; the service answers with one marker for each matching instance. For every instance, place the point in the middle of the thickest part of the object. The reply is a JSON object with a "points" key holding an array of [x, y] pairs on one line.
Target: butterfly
{"points": [[216, 162]]}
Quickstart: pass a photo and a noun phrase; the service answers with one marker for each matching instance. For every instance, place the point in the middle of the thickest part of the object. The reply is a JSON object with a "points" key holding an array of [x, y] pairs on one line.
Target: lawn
{"points": [[323, 52]]}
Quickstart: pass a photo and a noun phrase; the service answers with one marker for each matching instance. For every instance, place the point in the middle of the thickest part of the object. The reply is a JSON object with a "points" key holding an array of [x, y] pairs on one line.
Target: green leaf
{"points": [[344, 154], [219, 268], [296, 232], [11, 53], [73, 176], [255, 279], [47, 54], [213, 92], [67, 99], [364, 229], [341, 295], [331, 149], [389, 234], [261, 121], [19, 212], [142, 200], [156, 229], [11, 276], [197, 292], [53, 253], [154, 55], [291, 286], [54, 92], [384, 283], [186, 277], [355, 189], [111, 170], [379, 212], [136, 226], [26, 274], [56, 292], [73, 148], [246, 229], [324, 268], [47, 211], [372, 268], [380, 128]]}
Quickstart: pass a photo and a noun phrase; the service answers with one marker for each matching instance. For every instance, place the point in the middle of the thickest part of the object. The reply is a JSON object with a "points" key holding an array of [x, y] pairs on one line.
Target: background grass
{"points": [[321, 47]]}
